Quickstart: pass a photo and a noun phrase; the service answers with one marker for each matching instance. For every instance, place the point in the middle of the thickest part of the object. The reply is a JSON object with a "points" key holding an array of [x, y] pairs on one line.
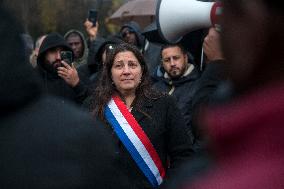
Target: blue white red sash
{"points": [[135, 140]]}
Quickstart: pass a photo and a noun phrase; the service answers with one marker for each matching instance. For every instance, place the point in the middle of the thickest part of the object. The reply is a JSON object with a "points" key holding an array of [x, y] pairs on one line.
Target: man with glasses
{"points": [[177, 76]]}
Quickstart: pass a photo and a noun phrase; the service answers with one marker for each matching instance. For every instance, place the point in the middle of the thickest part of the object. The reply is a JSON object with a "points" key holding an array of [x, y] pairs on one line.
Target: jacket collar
{"points": [[193, 75]]}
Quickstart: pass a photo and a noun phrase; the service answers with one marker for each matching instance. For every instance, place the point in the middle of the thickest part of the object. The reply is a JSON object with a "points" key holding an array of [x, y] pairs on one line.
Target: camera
{"points": [[93, 15], [67, 56]]}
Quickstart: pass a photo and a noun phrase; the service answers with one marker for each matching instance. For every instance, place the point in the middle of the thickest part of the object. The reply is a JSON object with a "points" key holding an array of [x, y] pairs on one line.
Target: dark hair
{"points": [[173, 45], [105, 88], [183, 50]]}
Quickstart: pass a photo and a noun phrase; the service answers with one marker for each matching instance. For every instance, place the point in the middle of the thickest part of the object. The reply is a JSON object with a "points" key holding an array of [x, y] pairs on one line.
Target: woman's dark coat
{"points": [[165, 127]]}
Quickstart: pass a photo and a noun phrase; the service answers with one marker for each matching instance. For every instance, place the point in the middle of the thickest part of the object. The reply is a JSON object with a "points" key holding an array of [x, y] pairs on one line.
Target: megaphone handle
{"points": [[201, 60]]}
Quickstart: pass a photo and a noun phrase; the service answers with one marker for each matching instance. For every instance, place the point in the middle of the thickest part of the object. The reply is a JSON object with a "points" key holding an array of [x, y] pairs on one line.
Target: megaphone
{"points": [[177, 18]]}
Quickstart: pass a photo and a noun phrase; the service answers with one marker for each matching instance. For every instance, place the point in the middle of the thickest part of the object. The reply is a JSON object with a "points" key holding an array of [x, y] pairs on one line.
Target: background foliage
{"points": [[44, 16]]}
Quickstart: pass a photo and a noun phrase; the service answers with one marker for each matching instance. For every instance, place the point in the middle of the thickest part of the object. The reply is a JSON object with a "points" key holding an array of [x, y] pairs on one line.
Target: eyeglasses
{"points": [[127, 31], [168, 59], [108, 48]]}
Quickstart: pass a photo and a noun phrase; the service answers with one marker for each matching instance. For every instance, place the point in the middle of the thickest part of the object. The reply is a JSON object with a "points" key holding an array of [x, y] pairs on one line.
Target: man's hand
{"points": [[91, 30], [69, 74], [212, 46]]}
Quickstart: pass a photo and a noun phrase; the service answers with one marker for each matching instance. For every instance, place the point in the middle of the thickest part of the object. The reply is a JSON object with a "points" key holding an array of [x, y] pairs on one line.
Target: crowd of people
{"points": [[123, 112]]}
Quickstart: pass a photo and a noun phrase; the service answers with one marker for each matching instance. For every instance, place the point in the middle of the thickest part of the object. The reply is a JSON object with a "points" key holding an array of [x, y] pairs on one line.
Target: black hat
{"points": [[51, 41]]}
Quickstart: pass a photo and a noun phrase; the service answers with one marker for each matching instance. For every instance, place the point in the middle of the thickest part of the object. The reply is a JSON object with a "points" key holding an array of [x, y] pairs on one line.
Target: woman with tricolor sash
{"points": [[145, 126]]}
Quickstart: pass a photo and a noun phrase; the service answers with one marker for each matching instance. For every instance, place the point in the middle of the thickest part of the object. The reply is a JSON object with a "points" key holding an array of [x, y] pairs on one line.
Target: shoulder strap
{"points": [[135, 140]]}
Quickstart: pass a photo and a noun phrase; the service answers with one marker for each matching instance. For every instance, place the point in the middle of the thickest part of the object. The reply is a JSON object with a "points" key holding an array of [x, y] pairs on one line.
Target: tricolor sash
{"points": [[135, 140]]}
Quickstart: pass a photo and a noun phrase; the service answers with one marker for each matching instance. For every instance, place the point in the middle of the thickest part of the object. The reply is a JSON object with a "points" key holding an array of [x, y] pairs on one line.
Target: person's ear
{"points": [[185, 58]]}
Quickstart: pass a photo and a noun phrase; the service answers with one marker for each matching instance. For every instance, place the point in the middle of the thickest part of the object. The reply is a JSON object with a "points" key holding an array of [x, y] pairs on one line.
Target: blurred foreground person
{"points": [[213, 86], [45, 144], [247, 134]]}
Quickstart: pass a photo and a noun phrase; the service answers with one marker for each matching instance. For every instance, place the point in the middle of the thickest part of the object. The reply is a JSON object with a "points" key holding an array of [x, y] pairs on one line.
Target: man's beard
{"points": [[176, 73], [56, 64], [52, 67]]}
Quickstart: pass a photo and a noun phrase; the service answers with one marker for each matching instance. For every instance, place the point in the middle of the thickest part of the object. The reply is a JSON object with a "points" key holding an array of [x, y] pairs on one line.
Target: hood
{"points": [[19, 82], [85, 46], [136, 28], [51, 41]]}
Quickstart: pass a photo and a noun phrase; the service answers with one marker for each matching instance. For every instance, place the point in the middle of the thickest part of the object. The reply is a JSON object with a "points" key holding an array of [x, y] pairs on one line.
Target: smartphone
{"points": [[93, 15], [67, 56]]}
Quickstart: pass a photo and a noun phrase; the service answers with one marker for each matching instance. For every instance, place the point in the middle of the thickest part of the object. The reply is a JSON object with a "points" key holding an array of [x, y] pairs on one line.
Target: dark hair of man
{"points": [[106, 88], [171, 46]]}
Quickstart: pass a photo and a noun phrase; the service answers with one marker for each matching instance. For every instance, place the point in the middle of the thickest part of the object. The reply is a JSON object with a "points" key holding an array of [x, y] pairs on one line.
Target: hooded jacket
{"points": [[51, 41], [51, 82], [136, 28], [82, 60]]}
